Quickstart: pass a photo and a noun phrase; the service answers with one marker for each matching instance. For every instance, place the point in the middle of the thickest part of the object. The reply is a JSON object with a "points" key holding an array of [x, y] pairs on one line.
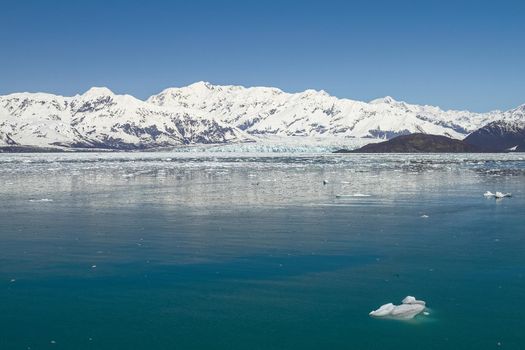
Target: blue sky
{"points": [[455, 54]]}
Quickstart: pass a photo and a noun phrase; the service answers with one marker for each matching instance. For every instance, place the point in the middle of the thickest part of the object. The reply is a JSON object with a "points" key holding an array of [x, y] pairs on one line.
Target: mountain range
{"points": [[203, 113]]}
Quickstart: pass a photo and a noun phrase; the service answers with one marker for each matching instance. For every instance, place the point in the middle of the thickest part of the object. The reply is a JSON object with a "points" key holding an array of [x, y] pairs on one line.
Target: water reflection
{"points": [[109, 180]]}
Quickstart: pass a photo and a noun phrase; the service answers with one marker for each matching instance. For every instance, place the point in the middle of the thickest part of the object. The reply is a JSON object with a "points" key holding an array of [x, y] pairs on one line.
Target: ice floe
{"points": [[351, 195], [497, 195], [409, 308]]}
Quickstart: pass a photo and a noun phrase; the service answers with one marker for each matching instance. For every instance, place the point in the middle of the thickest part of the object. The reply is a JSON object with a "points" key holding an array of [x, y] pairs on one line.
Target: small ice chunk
{"points": [[424, 216], [325, 182], [409, 308], [488, 194]]}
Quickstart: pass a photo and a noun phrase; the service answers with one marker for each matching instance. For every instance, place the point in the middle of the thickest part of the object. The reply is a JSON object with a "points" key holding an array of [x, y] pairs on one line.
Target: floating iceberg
{"points": [[409, 308], [489, 194]]}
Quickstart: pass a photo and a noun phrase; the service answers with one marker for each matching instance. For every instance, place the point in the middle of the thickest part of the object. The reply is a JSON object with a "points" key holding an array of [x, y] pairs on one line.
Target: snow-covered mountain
{"points": [[203, 113], [100, 119], [264, 111]]}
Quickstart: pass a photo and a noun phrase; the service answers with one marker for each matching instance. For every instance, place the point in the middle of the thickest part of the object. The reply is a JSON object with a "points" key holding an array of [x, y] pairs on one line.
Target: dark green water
{"points": [[204, 252]]}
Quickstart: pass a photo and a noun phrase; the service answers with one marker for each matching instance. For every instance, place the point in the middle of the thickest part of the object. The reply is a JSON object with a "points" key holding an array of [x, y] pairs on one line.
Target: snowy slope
{"points": [[99, 118], [203, 113]]}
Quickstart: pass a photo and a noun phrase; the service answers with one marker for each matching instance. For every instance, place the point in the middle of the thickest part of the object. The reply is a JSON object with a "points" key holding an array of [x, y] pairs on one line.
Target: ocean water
{"points": [[253, 251]]}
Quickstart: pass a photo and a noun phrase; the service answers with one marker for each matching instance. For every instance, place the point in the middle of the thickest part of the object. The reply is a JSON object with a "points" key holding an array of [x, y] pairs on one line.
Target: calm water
{"points": [[181, 251]]}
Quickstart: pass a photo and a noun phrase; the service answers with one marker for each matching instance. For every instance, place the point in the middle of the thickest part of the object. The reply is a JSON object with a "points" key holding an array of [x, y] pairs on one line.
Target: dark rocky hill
{"points": [[499, 136], [417, 143]]}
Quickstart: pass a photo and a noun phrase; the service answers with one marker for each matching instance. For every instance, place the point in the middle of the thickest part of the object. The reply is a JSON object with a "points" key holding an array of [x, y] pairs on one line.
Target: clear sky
{"points": [[455, 54]]}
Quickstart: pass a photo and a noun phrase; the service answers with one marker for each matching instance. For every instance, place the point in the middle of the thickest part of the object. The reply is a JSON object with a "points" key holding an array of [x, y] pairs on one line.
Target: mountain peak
{"points": [[387, 99], [313, 92], [98, 91], [201, 85]]}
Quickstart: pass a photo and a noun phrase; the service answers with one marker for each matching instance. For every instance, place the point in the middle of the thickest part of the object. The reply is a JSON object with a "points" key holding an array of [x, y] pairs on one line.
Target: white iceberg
{"points": [[409, 308], [489, 194]]}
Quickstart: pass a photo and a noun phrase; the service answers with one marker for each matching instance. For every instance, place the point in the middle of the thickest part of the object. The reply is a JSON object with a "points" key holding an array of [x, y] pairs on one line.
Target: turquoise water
{"points": [[167, 251]]}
